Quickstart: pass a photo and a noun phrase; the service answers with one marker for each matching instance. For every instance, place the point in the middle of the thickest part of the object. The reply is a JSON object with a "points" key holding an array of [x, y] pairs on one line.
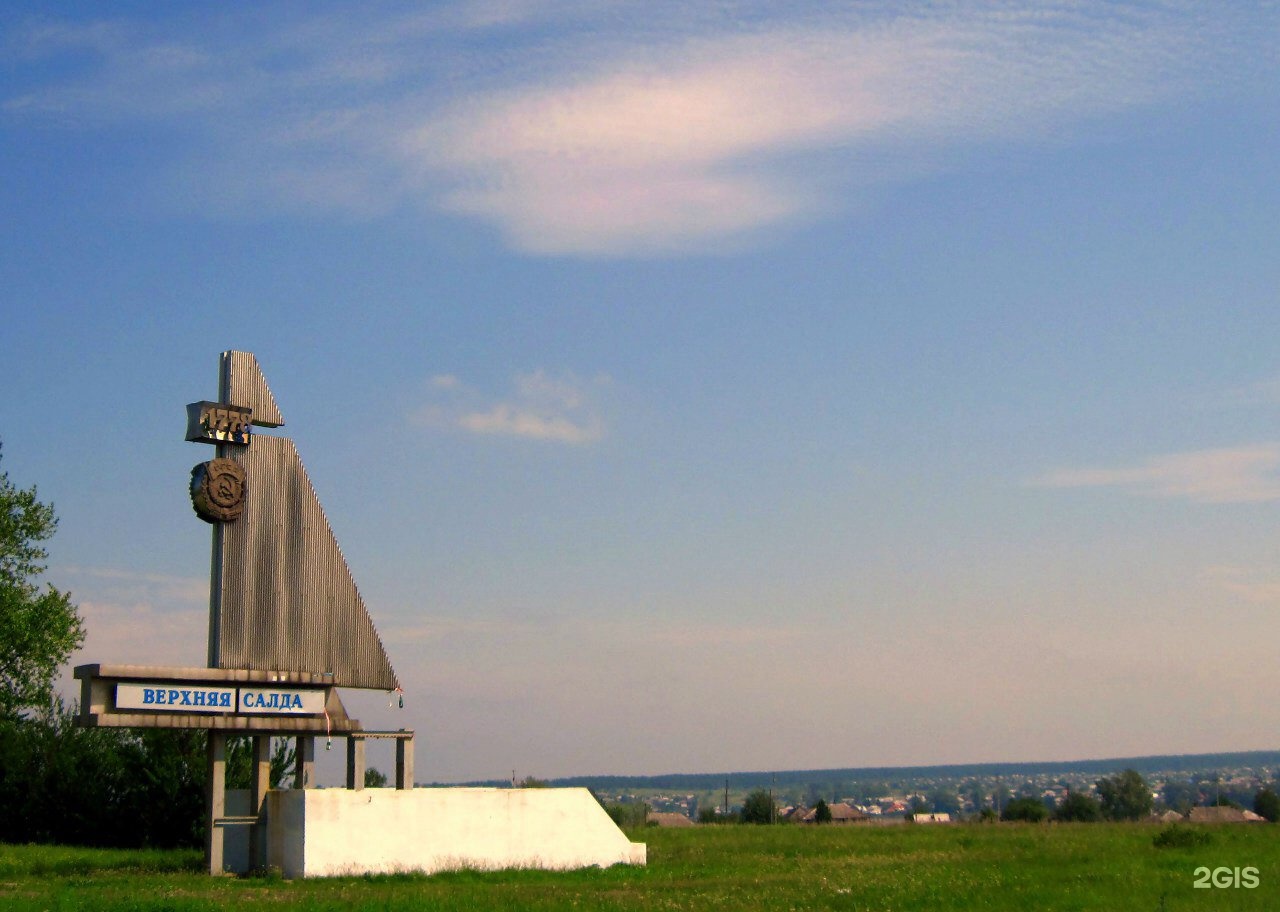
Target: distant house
{"points": [[840, 813], [931, 818], [667, 819], [1223, 815]]}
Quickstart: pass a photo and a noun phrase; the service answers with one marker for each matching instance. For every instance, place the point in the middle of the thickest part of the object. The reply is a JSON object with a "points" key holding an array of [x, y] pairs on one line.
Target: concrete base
{"points": [[235, 847], [328, 832]]}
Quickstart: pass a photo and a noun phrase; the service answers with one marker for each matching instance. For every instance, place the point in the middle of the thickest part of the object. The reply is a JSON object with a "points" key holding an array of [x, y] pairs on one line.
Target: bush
{"points": [[630, 815], [1176, 836], [1027, 810], [99, 786], [1078, 807]]}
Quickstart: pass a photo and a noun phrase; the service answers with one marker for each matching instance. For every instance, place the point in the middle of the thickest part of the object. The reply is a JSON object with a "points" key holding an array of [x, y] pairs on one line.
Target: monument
{"points": [[287, 627]]}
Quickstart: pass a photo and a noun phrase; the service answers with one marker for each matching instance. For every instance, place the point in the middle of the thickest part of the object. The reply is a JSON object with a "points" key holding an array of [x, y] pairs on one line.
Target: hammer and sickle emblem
{"points": [[218, 490]]}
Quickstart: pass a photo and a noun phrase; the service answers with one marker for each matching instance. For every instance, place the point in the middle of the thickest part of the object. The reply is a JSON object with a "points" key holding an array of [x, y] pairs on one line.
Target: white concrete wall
{"points": [[326, 832]]}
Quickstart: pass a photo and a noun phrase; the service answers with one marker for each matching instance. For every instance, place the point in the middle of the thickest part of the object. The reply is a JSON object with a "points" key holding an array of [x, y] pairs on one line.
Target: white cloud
{"points": [[513, 421], [1233, 475], [623, 128], [1258, 588], [540, 407], [681, 144]]}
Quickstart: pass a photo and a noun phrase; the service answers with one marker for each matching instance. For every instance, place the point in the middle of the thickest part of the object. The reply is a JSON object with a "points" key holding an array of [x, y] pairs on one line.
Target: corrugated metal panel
{"points": [[283, 598], [242, 383], [286, 599]]}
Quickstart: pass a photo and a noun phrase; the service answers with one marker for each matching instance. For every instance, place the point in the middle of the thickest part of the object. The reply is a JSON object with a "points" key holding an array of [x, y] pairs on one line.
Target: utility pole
{"points": [[726, 797]]}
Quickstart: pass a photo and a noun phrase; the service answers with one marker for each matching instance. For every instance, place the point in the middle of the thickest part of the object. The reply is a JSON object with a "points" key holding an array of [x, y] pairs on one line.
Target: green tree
{"points": [[1000, 797], [374, 778], [1028, 810], [1179, 795], [1125, 796], [240, 762], [629, 814], [758, 807], [39, 628], [945, 800], [977, 796], [1078, 807], [169, 783], [1267, 804], [821, 813], [61, 783], [99, 786]]}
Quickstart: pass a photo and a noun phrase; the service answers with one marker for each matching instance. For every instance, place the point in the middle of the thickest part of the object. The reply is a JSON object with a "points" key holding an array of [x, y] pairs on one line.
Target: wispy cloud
{"points": [[1233, 475], [1258, 588], [683, 143], [619, 128], [117, 585], [539, 407]]}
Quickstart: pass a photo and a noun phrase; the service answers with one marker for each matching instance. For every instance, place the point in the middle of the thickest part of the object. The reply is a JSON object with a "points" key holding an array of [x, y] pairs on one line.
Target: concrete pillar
{"points": [[259, 783], [215, 800], [355, 763], [404, 763], [304, 764]]}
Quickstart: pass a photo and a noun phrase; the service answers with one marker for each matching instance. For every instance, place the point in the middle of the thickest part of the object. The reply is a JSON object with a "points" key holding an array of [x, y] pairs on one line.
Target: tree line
{"points": [[1126, 796]]}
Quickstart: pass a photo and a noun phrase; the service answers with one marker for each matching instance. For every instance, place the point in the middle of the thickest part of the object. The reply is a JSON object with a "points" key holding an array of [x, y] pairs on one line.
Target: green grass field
{"points": [[1014, 867]]}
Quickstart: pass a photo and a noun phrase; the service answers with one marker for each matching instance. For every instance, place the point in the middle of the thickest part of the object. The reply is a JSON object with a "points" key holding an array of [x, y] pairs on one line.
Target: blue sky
{"points": [[746, 386]]}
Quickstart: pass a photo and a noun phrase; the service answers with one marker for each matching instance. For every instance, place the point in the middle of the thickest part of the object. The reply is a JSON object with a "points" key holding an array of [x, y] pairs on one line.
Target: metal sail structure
{"points": [[282, 596]]}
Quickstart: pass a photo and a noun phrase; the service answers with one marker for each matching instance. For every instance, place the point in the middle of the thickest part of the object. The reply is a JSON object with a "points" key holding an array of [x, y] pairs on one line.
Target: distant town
{"points": [[942, 793]]}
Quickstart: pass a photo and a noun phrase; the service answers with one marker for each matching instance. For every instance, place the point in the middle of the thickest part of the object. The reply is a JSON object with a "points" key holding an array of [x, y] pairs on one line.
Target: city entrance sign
{"points": [[147, 696], [287, 626]]}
